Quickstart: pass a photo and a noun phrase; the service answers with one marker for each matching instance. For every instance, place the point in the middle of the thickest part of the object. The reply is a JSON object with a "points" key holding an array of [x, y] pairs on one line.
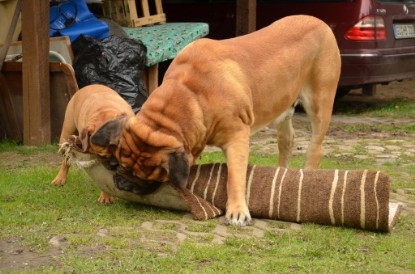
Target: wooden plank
{"points": [[159, 7], [133, 11], [145, 8], [7, 8], [149, 20], [12, 127], [151, 77], [245, 16], [36, 93], [12, 28]]}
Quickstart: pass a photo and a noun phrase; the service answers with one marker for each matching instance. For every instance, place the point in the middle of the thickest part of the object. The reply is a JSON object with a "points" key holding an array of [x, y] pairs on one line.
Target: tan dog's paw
{"points": [[104, 198], [238, 215], [59, 181]]}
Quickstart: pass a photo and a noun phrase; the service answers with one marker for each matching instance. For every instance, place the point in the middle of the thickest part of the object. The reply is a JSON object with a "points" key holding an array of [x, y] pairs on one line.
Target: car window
{"points": [[258, 1], [302, 1], [396, 1], [199, 1]]}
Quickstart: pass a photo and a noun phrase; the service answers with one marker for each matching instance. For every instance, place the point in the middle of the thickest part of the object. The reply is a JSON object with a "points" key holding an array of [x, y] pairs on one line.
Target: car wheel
{"points": [[369, 90], [341, 92]]}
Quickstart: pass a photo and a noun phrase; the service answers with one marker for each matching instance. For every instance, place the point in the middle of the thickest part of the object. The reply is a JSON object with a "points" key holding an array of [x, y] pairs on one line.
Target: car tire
{"points": [[341, 92], [369, 90]]}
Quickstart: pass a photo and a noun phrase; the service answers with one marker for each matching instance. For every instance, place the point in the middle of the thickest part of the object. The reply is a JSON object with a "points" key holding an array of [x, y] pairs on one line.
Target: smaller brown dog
{"points": [[90, 108]]}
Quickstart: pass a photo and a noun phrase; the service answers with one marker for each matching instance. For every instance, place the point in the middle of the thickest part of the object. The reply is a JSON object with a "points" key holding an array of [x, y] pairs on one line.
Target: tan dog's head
{"points": [[145, 153]]}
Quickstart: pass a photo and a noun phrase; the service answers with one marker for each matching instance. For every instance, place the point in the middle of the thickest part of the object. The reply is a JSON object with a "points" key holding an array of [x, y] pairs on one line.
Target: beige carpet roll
{"points": [[350, 198]]}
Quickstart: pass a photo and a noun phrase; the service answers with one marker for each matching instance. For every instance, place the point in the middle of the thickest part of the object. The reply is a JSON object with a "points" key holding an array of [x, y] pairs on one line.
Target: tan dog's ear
{"points": [[179, 169], [109, 133]]}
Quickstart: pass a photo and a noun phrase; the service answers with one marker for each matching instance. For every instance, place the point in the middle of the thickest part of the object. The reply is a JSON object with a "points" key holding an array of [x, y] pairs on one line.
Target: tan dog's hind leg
{"points": [[237, 154], [319, 110], [319, 126], [317, 98], [285, 138]]}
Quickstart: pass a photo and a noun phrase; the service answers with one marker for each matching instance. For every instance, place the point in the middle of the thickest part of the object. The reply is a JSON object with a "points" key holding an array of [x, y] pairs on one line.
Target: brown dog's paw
{"points": [[238, 216], [58, 181], [104, 198]]}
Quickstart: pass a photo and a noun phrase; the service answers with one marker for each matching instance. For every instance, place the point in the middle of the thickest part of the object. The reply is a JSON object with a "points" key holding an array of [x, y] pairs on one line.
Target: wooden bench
{"points": [[163, 40]]}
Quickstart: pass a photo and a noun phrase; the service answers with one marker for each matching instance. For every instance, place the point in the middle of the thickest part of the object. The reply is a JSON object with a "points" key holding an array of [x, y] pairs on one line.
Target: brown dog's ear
{"points": [[84, 137], [109, 133], [179, 169]]}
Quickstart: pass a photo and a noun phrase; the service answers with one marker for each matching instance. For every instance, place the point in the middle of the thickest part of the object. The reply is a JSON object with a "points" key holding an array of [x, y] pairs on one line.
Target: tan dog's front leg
{"points": [[60, 179], [237, 153]]}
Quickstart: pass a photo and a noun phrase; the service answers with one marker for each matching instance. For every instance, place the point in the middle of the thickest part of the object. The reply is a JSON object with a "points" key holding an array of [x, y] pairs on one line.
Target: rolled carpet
{"points": [[350, 198]]}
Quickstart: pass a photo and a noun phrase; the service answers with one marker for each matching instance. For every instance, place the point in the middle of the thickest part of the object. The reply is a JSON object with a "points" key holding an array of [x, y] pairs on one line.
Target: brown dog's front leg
{"points": [[105, 198], [237, 153]]}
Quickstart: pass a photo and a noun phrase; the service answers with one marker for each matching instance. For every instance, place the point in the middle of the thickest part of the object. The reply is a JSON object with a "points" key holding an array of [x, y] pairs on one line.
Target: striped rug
{"points": [[351, 198]]}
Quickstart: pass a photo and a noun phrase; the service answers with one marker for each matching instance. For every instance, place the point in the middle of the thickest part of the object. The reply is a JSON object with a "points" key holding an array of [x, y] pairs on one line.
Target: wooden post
{"points": [[36, 94], [245, 16]]}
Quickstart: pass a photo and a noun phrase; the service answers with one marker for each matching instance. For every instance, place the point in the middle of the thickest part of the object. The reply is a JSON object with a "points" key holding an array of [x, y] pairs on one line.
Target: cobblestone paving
{"points": [[164, 236]]}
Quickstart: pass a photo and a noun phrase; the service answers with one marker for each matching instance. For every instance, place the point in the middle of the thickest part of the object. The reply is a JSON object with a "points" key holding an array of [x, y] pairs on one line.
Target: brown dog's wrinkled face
{"points": [[147, 164], [161, 164], [155, 159]]}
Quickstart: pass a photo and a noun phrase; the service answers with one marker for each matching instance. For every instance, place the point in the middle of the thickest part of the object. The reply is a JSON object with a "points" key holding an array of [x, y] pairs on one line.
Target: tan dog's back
{"points": [[283, 61], [305, 50]]}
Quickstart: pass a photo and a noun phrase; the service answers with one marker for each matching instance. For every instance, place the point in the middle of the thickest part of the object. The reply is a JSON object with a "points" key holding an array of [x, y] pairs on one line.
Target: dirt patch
{"points": [[14, 160], [13, 256]]}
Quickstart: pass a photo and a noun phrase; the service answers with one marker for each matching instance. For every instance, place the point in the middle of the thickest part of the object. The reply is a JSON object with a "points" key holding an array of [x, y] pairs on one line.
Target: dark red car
{"points": [[376, 37]]}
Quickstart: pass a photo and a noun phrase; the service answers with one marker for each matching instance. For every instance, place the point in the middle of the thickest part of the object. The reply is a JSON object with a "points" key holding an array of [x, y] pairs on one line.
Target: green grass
{"points": [[10, 145], [397, 108], [34, 211], [397, 129], [394, 109]]}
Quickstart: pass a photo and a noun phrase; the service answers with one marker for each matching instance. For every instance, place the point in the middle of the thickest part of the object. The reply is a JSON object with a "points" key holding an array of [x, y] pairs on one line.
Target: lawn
{"points": [[52, 229]]}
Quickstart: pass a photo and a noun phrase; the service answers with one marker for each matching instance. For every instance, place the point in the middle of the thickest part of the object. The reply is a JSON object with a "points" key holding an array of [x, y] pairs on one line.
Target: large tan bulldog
{"points": [[88, 110], [220, 92]]}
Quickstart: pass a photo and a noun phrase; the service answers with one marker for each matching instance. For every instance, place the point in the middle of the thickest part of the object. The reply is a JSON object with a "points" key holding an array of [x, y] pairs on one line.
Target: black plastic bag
{"points": [[116, 62]]}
